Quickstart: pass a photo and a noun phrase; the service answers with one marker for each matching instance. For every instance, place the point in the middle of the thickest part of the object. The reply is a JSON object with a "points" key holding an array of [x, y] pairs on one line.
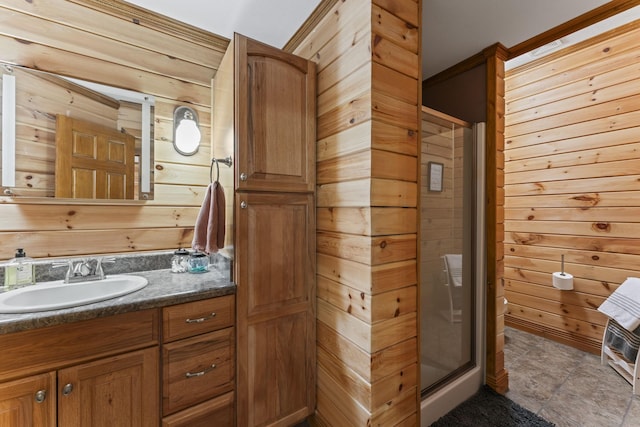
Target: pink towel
{"points": [[208, 234]]}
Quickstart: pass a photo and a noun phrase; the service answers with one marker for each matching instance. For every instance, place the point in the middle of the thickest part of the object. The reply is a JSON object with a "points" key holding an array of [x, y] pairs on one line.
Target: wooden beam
{"points": [[496, 375]]}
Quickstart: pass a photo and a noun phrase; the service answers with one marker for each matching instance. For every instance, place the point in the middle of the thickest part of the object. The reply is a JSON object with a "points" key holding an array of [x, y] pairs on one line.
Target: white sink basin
{"points": [[55, 295]]}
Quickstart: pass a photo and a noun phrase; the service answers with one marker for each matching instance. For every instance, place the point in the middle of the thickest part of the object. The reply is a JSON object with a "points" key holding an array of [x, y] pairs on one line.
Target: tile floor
{"points": [[566, 386]]}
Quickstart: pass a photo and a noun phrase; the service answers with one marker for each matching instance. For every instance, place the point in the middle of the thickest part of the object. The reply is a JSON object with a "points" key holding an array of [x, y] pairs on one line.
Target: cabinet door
{"points": [[116, 391], [275, 271], [29, 402], [275, 118]]}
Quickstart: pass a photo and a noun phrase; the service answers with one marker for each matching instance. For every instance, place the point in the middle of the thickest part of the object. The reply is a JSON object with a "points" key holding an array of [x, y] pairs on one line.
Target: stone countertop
{"points": [[164, 288]]}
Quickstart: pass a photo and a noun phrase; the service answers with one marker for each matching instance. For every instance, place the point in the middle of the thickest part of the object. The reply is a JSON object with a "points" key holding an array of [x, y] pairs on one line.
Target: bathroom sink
{"points": [[57, 294]]}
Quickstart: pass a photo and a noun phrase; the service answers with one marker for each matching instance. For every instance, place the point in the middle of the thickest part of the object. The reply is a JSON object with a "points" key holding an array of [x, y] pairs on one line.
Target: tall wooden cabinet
{"points": [[274, 225]]}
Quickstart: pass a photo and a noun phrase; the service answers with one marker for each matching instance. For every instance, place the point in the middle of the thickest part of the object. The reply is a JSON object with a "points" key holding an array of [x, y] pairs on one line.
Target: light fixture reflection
{"points": [[186, 135], [8, 132]]}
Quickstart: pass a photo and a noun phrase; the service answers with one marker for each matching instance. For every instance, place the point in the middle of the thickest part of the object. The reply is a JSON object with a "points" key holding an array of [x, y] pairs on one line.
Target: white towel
{"points": [[623, 305], [453, 264]]}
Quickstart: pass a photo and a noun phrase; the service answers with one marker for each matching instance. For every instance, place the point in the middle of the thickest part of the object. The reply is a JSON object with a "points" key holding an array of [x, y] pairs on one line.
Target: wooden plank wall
{"points": [[368, 111], [120, 45], [572, 167]]}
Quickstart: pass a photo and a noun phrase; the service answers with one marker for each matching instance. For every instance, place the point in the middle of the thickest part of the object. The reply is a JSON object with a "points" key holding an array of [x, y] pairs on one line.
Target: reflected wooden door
{"points": [[93, 161]]}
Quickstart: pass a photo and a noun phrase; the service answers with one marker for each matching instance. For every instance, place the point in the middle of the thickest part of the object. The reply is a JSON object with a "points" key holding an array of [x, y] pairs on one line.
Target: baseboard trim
{"points": [[589, 345]]}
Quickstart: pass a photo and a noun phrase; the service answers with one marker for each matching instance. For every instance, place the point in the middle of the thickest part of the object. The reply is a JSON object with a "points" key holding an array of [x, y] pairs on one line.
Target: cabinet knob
{"points": [[41, 395], [67, 389], [243, 176], [243, 204]]}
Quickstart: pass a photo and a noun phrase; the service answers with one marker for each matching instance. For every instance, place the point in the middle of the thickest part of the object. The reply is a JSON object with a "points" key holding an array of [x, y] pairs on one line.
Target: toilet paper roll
{"points": [[562, 281]]}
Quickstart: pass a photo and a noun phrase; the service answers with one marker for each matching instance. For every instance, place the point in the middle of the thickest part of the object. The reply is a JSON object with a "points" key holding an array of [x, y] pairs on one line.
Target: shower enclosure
{"points": [[451, 261]]}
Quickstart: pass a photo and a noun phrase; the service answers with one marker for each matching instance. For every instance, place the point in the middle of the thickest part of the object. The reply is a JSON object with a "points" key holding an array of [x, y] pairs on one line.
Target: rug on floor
{"points": [[490, 409]]}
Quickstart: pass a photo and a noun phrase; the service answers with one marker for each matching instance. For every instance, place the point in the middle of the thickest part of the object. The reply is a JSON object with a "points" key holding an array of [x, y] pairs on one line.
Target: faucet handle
{"points": [[99, 262], [64, 263]]}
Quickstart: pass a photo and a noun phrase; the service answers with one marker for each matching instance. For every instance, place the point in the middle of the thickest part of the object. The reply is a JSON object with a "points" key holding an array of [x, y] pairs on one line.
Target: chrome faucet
{"points": [[80, 270]]}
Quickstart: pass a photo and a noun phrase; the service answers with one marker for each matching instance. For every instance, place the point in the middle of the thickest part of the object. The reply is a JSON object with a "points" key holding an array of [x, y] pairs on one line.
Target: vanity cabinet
{"points": [[29, 401], [87, 373], [264, 100], [198, 363]]}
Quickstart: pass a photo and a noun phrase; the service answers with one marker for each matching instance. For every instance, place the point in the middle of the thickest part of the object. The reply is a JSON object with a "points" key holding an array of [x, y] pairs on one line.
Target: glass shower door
{"points": [[450, 254]]}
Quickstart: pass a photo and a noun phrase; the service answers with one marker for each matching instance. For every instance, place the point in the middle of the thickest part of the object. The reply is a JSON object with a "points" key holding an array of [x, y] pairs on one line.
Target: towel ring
{"points": [[227, 161]]}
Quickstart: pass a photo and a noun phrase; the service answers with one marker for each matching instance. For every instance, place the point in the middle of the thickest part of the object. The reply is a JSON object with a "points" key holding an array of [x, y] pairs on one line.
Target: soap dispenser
{"points": [[19, 271]]}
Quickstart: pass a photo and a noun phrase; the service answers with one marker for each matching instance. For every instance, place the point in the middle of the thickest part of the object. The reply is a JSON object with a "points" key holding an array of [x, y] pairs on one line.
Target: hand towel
{"points": [[623, 305], [622, 340], [208, 234]]}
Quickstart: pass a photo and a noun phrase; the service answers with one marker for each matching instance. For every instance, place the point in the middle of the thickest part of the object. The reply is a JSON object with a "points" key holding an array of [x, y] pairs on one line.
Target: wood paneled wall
{"points": [[368, 111], [120, 45], [572, 168]]}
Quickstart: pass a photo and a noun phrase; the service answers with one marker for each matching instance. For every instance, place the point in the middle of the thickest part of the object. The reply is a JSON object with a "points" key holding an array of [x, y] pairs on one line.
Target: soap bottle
{"points": [[19, 271]]}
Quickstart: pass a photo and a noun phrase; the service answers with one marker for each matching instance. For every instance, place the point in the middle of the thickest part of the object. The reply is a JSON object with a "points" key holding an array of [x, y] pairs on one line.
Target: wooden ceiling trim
{"points": [[459, 68], [309, 25], [157, 22], [598, 14], [609, 35]]}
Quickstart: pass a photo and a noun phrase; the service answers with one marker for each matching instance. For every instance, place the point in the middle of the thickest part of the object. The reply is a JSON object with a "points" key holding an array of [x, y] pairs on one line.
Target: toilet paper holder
{"points": [[562, 280]]}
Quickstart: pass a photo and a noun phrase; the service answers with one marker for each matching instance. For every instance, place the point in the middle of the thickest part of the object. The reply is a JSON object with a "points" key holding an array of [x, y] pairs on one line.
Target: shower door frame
{"points": [[463, 386]]}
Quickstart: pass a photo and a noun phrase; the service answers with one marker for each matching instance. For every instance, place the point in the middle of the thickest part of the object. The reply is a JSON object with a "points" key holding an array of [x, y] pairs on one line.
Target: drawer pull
{"points": [[201, 319], [201, 373]]}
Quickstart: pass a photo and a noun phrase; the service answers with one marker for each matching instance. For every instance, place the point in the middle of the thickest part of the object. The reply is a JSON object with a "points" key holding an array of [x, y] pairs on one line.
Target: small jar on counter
{"points": [[198, 262], [180, 261]]}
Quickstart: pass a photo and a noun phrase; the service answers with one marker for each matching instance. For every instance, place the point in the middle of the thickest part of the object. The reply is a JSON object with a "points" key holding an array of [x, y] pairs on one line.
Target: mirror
{"points": [[75, 139]]}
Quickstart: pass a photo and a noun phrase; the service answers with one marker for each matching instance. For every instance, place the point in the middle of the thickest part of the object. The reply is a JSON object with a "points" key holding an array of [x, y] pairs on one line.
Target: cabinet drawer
{"points": [[197, 369], [193, 318], [215, 412]]}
